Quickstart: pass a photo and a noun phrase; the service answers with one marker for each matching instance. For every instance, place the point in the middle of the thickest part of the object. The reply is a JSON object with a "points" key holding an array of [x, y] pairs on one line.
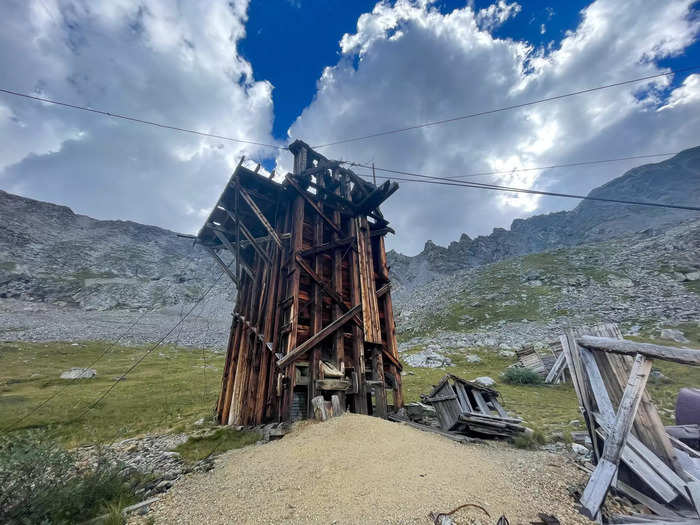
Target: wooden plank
{"points": [[694, 492], [229, 247], [499, 409], [481, 402], [318, 285], [312, 203], [249, 236], [370, 307], [337, 282], [380, 409], [226, 267], [317, 338], [557, 369], [654, 506], [328, 246], [685, 356], [637, 463], [260, 215], [575, 366], [597, 488]]}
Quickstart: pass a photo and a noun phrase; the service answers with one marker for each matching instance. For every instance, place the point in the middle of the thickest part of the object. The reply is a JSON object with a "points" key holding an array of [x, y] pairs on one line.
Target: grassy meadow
{"points": [[170, 390], [174, 387]]}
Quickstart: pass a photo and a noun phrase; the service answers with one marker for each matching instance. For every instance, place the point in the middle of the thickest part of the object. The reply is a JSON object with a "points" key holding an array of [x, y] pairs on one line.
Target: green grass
{"points": [[168, 390], [220, 440]]}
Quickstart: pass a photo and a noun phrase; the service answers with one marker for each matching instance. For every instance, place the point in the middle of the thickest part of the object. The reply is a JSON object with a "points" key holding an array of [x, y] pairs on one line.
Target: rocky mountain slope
{"points": [[649, 283], [50, 254], [676, 181], [65, 276]]}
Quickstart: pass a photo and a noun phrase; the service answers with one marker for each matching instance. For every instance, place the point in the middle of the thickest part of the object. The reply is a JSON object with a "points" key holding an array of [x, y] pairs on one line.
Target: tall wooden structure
{"points": [[313, 314]]}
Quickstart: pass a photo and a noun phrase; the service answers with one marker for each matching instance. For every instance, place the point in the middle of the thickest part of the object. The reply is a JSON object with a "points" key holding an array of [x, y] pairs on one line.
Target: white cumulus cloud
{"points": [[409, 63]]}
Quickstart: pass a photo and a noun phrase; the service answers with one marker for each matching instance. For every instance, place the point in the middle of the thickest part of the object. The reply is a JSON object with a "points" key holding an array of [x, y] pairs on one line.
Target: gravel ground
{"points": [[207, 326], [359, 469]]}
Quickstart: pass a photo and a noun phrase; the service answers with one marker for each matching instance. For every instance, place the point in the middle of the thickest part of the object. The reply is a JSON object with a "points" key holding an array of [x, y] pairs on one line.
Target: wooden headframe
{"points": [[313, 314]]}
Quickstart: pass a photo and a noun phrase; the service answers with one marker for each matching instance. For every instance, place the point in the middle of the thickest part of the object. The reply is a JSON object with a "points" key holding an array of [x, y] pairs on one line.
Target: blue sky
{"points": [[290, 42], [275, 70]]}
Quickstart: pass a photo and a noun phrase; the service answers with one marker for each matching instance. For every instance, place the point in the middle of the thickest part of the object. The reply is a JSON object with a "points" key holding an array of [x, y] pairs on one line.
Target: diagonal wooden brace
{"points": [[602, 477]]}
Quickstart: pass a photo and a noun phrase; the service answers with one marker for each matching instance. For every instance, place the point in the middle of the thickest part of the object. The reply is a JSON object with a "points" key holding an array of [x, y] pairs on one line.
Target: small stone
{"points": [[574, 423], [473, 358], [507, 354], [199, 422], [692, 276], [79, 373]]}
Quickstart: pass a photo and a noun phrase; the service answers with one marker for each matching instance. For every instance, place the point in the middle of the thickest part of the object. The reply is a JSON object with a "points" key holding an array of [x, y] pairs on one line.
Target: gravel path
{"points": [[359, 469]]}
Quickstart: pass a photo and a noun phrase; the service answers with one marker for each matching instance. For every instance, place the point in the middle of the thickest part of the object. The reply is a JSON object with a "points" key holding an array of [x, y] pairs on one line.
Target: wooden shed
{"points": [[313, 315], [470, 408]]}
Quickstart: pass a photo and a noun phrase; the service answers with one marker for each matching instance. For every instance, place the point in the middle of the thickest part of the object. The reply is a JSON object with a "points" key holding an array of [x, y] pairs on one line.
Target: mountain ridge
{"points": [[668, 182]]}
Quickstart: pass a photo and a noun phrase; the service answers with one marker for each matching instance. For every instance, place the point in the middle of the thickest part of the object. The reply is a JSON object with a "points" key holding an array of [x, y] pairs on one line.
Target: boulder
{"points": [[507, 354], [673, 334], [79, 373], [485, 381], [473, 358], [580, 450]]}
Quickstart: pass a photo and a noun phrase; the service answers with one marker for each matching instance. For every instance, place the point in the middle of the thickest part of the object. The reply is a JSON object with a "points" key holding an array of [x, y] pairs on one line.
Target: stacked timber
{"points": [[468, 408], [632, 452], [313, 315]]}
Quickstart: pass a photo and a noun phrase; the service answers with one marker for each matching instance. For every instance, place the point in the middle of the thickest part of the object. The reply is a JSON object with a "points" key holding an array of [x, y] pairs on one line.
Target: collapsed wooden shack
{"points": [[632, 451], [466, 407], [313, 315]]}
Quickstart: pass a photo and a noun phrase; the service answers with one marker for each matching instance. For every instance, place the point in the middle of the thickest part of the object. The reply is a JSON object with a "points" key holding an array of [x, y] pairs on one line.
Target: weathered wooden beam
{"points": [[226, 267], [326, 247], [224, 240], [377, 196], [685, 356], [252, 241], [597, 487], [370, 306], [259, 214], [557, 368], [312, 203], [317, 338]]}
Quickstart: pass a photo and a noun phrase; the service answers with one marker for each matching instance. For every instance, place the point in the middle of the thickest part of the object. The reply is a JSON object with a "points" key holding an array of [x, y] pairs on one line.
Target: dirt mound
{"points": [[359, 469]]}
